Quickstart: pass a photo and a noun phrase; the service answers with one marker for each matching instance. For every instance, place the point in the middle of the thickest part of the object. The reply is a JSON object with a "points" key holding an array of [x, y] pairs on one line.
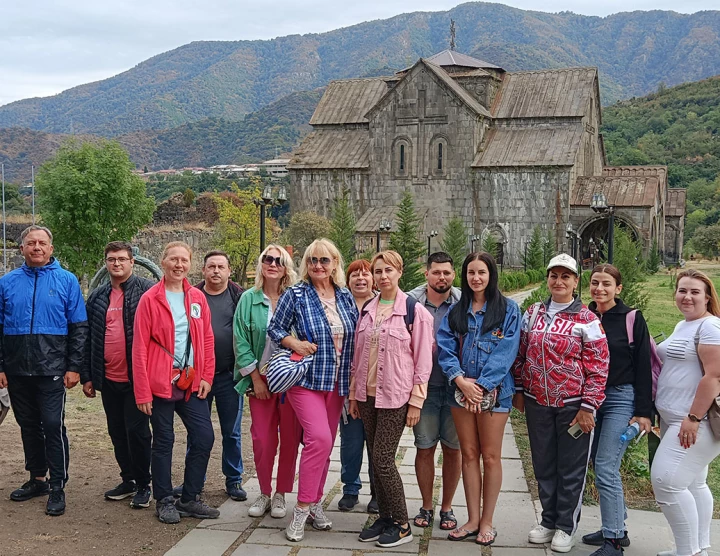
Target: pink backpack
{"points": [[655, 362]]}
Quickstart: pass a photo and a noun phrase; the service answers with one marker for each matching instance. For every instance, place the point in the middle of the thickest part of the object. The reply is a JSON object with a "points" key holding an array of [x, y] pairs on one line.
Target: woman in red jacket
{"points": [[174, 341]]}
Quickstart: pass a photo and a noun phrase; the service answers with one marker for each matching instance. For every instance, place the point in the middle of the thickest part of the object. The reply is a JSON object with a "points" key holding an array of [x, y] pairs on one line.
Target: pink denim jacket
{"points": [[404, 361]]}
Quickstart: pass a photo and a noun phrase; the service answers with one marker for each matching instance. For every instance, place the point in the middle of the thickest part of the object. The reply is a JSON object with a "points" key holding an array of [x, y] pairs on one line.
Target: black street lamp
{"points": [[502, 255], [575, 251], [600, 205], [432, 234], [473, 239], [267, 200], [384, 226]]}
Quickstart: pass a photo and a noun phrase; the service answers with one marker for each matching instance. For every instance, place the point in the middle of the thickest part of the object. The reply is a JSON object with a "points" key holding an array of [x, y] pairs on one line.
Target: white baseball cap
{"points": [[564, 260]]}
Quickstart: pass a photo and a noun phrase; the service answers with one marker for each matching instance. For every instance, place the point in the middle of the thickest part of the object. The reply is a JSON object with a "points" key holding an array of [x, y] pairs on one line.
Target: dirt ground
{"points": [[91, 524]]}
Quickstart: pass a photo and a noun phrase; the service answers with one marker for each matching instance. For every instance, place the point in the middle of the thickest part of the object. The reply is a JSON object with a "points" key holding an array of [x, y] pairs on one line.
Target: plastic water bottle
{"points": [[630, 432]]}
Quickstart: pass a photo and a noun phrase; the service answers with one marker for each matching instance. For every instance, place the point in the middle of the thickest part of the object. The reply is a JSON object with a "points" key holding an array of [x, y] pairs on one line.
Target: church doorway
{"points": [[594, 238]]}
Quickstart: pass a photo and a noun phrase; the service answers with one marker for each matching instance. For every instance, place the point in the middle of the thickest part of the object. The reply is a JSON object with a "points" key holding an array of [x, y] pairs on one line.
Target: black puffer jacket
{"points": [[97, 306]]}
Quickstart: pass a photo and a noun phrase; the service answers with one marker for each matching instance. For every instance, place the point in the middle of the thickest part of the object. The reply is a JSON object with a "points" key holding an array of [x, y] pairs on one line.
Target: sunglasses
{"points": [[325, 261], [269, 260]]}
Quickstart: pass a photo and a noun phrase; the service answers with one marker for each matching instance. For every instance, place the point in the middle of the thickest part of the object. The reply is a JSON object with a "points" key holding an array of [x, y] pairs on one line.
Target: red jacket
{"points": [[152, 366], [564, 360]]}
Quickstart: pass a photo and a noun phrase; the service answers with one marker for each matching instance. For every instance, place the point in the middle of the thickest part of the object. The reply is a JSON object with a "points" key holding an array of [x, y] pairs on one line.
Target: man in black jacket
{"points": [[108, 368]]}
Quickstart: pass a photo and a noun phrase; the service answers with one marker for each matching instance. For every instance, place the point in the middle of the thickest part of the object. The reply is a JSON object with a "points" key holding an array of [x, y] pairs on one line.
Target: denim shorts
{"points": [[436, 422]]}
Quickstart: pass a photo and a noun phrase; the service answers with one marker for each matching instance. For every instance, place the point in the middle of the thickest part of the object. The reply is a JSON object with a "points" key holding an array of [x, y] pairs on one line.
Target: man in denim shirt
{"points": [[436, 422]]}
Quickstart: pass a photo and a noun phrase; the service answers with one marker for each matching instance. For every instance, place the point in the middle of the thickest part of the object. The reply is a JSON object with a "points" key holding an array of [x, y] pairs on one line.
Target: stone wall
{"points": [[151, 243], [174, 212]]}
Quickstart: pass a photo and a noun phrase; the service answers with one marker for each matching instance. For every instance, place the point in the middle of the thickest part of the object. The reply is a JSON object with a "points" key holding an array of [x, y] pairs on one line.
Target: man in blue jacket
{"points": [[43, 329]]}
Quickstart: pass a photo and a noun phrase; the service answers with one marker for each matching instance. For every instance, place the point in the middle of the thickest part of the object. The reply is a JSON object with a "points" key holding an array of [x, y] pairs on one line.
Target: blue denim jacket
{"points": [[486, 357]]}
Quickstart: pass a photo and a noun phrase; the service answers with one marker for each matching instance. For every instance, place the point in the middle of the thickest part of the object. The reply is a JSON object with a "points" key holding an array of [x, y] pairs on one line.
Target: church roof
{"points": [[549, 146], [347, 101], [659, 172], [459, 90], [675, 204], [333, 148], [453, 58], [546, 94], [623, 191]]}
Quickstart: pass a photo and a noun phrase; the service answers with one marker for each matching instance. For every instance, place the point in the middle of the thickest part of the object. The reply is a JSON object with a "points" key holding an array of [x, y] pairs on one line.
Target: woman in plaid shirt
{"points": [[322, 313]]}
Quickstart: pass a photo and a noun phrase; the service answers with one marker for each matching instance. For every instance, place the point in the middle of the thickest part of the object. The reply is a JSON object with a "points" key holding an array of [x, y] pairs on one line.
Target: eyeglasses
{"points": [[113, 260], [269, 260], [325, 261]]}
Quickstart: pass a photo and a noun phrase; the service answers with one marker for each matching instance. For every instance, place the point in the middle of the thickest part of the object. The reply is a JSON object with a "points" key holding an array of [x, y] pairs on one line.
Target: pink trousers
{"points": [[319, 415], [267, 416]]}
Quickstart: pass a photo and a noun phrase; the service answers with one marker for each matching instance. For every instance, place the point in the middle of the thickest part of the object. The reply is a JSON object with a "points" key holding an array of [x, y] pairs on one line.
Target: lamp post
{"points": [[502, 255], [431, 235], [265, 201], [600, 205], [575, 248], [473, 239], [384, 226]]}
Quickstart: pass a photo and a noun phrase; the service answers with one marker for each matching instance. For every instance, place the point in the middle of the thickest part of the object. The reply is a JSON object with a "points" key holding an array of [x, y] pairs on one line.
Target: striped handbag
{"points": [[285, 370]]}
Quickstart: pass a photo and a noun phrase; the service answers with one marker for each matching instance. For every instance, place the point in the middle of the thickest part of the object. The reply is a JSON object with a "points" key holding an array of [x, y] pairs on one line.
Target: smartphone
{"points": [[575, 431], [295, 356]]}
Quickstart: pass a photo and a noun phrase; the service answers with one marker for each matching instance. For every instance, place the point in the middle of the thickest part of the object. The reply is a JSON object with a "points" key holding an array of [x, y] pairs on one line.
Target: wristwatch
{"points": [[694, 418]]}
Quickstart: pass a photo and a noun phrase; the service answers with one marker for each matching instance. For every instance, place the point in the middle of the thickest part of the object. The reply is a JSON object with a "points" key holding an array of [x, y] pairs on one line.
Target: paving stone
{"points": [[412, 492], [259, 550], [500, 551], [324, 539], [360, 507], [461, 515], [205, 542], [509, 448], [323, 552], [513, 476], [335, 454], [409, 457], [348, 522], [233, 517]]}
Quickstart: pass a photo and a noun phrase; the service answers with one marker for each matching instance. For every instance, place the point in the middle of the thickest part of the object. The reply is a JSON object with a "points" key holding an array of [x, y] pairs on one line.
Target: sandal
{"points": [[486, 538], [448, 520], [465, 534], [423, 518]]}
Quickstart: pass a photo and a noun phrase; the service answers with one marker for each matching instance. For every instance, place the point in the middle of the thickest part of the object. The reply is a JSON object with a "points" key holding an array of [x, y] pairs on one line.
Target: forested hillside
{"points": [[635, 52]]}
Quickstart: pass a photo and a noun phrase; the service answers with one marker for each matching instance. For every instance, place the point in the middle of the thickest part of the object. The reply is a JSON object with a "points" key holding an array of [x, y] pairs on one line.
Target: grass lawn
{"points": [[662, 316]]}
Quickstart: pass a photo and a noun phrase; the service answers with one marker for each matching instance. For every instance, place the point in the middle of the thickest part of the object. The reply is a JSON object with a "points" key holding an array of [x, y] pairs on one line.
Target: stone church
{"points": [[506, 151]]}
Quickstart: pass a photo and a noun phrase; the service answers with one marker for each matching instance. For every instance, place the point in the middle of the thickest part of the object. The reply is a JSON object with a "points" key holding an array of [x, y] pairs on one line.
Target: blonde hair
{"points": [[173, 244], [324, 248], [392, 258], [713, 304], [290, 276]]}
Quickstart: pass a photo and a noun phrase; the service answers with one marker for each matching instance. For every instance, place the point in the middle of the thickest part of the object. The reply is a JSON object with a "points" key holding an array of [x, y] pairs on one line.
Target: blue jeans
{"points": [[436, 422], [612, 420], [229, 407], [352, 441]]}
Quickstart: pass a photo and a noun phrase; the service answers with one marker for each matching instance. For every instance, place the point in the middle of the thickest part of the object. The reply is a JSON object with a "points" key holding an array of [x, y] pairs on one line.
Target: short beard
{"points": [[442, 290]]}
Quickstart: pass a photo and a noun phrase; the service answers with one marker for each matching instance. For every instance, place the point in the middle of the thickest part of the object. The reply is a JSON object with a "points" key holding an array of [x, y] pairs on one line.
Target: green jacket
{"points": [[250, 332]]}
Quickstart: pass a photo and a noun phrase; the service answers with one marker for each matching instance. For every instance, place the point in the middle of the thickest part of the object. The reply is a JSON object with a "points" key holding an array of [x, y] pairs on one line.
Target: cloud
{"points": [[47, 46]]}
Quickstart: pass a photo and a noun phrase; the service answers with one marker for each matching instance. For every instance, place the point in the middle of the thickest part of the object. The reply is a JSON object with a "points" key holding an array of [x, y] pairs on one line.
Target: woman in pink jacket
{"points": [[390, 371], [172, 333]]}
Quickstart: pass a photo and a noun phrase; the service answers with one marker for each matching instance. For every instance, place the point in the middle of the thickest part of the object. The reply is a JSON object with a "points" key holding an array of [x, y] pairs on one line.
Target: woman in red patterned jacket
{"points": [[560, 374]]}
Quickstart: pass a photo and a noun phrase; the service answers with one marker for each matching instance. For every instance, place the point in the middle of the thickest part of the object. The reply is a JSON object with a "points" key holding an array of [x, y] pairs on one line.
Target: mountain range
{"points": [[636, 52]]}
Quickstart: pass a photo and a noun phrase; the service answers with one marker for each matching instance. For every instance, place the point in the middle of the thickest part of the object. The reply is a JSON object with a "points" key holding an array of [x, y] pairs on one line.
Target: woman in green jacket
{"points": [[275, 272]]}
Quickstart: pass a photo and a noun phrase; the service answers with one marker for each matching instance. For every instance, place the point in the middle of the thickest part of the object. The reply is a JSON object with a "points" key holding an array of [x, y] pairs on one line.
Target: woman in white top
{"points": [[684, 395]]}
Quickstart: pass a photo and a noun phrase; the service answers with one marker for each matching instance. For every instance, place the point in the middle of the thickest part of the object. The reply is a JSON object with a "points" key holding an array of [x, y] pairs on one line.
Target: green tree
{"points": [[15, 203], [652, 265], [238, 230], [533, 256], [628, 260], [305, 227], [188, 197], [490, 244], [405, 241], [548, 249], [454, 243], [707, 241], [342, 227], [88, 196]]}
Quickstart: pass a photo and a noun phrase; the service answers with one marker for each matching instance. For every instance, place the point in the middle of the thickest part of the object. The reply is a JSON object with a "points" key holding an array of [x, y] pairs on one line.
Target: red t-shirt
{"points": [[116, 368]]}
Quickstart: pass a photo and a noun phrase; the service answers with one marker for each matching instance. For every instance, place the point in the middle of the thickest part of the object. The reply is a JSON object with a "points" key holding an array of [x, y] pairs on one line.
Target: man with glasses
{"points": [[43, 330], [108, 368], [223, 295]]}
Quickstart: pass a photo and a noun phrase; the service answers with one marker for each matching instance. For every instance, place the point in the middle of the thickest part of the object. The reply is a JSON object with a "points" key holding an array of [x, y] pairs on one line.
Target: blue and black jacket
{"points": [[43, 323]]}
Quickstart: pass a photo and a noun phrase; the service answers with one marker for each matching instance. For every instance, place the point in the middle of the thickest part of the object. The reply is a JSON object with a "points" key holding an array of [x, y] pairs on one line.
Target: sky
{"points": [[47, 46]]}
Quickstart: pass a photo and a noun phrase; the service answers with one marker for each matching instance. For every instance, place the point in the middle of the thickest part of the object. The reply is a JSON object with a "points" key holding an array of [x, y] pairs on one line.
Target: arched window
{"points": [[402, 159], [440, 157]]}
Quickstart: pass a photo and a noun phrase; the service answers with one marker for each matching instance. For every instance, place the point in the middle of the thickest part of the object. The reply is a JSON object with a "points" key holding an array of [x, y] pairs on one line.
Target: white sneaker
{"points": [[260, 507], [540, 534], [296, 528], [277, 509], [562, 542], [319, 519]]}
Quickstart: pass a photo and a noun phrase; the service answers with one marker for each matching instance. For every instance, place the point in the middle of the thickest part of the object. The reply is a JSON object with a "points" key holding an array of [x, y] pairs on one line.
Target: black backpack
{"points": [[409, 317]]}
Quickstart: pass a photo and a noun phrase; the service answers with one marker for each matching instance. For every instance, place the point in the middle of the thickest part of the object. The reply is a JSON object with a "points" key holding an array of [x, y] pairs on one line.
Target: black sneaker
{"points": [[56, 502], [142, 498], [373, 507], [196, 508], [236, 492], [347, 502], [122, 491], [177, 491], [395, 536], [29, 490], [597, 539], [608, 549], [373, 532], [166, 511]]}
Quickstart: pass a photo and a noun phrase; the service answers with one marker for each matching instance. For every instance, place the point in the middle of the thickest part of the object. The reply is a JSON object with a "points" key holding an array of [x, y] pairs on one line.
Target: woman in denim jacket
{"points": [[477, 343]]}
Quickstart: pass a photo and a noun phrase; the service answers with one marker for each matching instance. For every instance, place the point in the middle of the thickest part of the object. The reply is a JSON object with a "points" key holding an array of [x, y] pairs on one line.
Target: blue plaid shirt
{"points": [[300, 309]]}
